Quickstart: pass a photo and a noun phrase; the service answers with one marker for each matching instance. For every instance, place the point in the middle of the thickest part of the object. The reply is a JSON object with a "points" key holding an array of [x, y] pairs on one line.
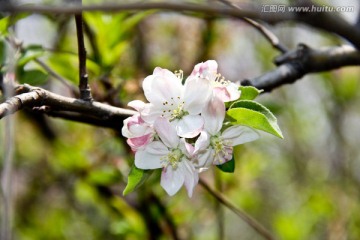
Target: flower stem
{"points": [[248, 219]]}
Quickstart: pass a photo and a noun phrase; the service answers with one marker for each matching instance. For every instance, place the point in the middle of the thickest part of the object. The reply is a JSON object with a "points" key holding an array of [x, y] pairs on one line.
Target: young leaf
{"points": [[228, 167], [136, 178], [255, 115], [4, 23], [33, 77], [2, 52], [249, 92], [29, 54]]}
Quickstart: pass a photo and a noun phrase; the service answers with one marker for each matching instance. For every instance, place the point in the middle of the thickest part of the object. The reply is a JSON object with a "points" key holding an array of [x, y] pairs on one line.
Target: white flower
{"points": [[214, 146], [180, 104], [223, 89], [172, 156]]}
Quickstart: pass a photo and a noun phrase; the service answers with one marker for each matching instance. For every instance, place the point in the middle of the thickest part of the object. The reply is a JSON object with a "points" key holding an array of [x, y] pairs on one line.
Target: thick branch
{"points": [[304, 60], [326, 21], [55, 104]]}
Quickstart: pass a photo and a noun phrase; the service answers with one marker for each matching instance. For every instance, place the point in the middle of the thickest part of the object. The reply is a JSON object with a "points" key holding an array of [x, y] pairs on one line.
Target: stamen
{"points": [[179, 74], [219, 79], [173, 158]]}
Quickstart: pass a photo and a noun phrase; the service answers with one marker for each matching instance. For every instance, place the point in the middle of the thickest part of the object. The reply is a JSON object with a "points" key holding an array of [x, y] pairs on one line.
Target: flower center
{"points": [[174, 109], [173, 158], [223, 150]]}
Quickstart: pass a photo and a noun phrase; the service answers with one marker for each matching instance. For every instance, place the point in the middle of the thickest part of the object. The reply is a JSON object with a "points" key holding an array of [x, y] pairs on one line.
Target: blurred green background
{"points": [[68, 177]]}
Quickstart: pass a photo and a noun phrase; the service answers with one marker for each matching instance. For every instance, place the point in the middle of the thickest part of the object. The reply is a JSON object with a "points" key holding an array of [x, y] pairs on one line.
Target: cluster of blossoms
{"points": [[181, 129]]}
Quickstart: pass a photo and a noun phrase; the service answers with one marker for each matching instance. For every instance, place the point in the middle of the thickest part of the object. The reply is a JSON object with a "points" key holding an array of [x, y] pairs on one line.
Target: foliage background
{"points": [[68, 177]]}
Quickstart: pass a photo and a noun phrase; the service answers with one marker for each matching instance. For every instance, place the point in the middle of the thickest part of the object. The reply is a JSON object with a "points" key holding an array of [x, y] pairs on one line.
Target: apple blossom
{"points": [[169, 153], [180, 104], [224, 89], [138, 132], [215, 146], [181, 129]]}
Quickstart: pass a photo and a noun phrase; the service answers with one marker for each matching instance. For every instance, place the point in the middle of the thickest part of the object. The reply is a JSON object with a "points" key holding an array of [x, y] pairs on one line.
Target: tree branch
{"points": [[85, 92], [304, 60], [248, 219], [271, 37], [330, 22], [56, 105]]}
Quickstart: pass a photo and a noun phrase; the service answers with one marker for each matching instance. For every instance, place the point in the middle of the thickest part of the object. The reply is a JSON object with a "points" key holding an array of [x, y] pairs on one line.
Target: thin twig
{"points": [[270, 36], [248, 219], [47, 68], [220, 213], [85, 92], [326, 21]]}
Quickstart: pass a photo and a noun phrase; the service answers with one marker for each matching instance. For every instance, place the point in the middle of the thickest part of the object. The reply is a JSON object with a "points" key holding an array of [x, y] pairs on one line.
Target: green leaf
{"points": [[228, 167], [249, 92], [104, 176], [8, 21], [33, 77], [2, 52], [136, 178], [255, 115], [30, 53], [4, 23]]}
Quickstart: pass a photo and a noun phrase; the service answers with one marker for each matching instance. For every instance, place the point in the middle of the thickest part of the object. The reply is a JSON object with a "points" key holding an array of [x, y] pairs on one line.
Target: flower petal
{"points": [[186, 148], [190, 174], [205, 159], [137, 105], [189, 126], [150, 156], [233, 90], [196, 94], [214, 114], [172, 180], [166, 132], [239, 135], [202, 142], [206, 69], [139, 142], [150, 113], [162, 86]]}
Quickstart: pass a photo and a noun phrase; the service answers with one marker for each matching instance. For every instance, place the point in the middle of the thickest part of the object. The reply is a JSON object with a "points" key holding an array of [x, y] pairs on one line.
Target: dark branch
{"points": [[85, 93], [39, 99], [304, 60]]}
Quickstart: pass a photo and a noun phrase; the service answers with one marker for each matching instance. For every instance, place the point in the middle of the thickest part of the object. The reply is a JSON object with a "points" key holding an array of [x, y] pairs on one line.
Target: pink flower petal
{"points": [[139, 142], [206, 69]]}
